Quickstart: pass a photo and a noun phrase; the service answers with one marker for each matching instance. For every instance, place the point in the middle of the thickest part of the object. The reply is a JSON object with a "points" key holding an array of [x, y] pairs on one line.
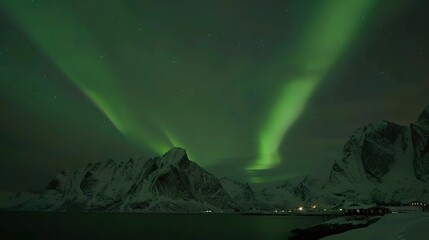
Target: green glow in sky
{"points": [[285, 113], [76, 51], [73, 49], [329, 34], [246, 87], [175, 142]]}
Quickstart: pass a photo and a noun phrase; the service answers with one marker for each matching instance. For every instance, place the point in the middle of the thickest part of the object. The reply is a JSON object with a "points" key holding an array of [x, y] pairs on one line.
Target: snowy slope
{"points": [[385, 163], [305, 192], [170, 183], [382, 163], [420, 140], [411, 226], [241, 193]]}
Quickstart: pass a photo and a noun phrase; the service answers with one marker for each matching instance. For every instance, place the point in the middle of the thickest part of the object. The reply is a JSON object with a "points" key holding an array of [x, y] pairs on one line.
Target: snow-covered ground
{"points": [[409, 226]]}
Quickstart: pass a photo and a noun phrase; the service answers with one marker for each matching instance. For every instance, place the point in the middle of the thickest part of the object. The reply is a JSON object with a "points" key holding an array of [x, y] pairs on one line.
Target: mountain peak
{"points": [[424, 117], [175, 155], [169, 183]]}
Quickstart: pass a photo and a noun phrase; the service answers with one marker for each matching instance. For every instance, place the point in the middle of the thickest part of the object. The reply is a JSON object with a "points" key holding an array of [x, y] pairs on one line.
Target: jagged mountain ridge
{"points": [[241, 193], [384, 162], [170, 183], [291, 193], [420, 140]]}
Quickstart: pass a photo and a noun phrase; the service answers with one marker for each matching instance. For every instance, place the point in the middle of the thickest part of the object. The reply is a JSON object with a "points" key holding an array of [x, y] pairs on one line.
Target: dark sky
{"points": [[254, 90]]}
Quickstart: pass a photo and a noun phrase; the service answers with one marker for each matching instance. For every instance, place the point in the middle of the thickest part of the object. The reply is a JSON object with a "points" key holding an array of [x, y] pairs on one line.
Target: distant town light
{"points": [[300, 208], [341, 209], [314, 206]]}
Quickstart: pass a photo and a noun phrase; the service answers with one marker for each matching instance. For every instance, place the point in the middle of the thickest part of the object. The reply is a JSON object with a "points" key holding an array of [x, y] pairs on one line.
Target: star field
{"points": [[260, 91]]}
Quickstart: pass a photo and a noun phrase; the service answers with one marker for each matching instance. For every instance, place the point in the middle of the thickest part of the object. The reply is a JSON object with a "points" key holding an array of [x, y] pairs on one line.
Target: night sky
{"points": [[259, 91]]}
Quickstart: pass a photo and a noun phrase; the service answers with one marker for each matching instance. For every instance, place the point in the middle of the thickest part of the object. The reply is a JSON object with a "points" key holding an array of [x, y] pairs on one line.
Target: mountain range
{"points": [[170, 183], [385, 163], [382, 163]]}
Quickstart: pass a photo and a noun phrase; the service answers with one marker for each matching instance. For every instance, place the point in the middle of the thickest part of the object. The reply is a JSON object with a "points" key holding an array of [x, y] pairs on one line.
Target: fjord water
{"points": [[149, 226]]}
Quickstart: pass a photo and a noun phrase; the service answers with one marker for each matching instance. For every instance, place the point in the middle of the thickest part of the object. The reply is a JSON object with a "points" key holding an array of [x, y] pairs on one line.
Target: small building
{"points": [[366, 210], [355, 208], [421, 206], [410, 207], [378, 211]]}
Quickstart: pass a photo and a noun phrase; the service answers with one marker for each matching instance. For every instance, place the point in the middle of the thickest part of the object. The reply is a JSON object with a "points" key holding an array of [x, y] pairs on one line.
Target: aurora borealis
{"points": [[322, 44], [256, 90]]}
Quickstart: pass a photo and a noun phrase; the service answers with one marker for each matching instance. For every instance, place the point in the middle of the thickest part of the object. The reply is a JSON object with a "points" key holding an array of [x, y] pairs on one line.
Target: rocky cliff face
{"points": [[370, 153], [170, 183], [241, 193], [384, 162], [420, 140], [291, 194]]}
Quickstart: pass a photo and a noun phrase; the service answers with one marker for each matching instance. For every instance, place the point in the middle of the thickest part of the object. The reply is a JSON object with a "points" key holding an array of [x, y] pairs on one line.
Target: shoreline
{"points": [[333, 226]]}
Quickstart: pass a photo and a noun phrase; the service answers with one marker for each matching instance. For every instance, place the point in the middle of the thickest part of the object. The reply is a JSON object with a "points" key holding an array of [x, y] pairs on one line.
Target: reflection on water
{"points": [[149, 226]]}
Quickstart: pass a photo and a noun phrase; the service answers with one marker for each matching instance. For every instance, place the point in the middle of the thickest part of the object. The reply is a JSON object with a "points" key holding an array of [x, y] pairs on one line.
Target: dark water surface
{"points": [[149, 226]]}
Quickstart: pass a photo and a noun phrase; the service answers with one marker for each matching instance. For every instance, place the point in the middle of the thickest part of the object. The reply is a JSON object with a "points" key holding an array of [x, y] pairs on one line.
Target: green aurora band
{"points": [[330, 33], [76, 52], [72, 48]]}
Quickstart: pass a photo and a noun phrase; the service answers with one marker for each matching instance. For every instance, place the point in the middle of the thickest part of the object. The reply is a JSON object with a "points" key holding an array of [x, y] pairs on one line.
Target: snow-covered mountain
{"points": [[291, 193], [381, 163], [241, 193], [306, 191], [420, 140], [170, 183], [384, 162]]}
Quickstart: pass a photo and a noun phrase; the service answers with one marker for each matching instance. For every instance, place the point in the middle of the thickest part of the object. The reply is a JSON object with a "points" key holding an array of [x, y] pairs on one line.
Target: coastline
{"points": [[333, 226]]}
